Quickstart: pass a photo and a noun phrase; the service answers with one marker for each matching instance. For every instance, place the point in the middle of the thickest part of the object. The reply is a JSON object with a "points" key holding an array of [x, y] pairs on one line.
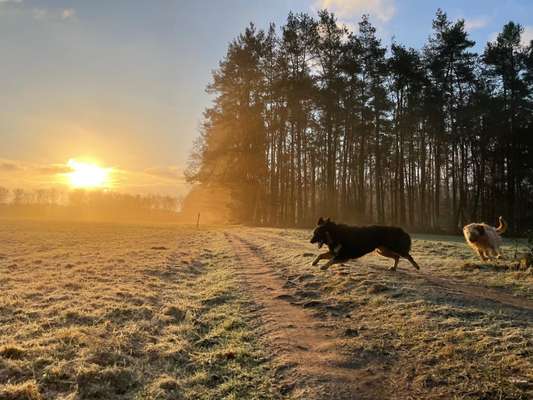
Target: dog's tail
{"points": [[502, 226]]}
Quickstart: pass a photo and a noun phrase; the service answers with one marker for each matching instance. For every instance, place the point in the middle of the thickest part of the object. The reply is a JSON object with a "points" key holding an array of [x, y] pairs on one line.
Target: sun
{"points": [[87, 176]]}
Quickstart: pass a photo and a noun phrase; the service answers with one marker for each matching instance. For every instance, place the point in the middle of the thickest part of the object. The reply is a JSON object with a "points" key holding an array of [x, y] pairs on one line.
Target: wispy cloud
{"points": [[68, 13], [157, 180], [383, 10], [8, 166], [53, 169], [171, 173], [11, 7], [527, 35], [21, 8], [16, 173], [476, 23], [525, 40], [39, 13], [54, 14]]}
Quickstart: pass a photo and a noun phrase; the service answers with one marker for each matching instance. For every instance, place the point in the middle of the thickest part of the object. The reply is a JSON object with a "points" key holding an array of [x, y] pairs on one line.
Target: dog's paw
{"points": [[392, 269], [314, 263], [324, 267]]}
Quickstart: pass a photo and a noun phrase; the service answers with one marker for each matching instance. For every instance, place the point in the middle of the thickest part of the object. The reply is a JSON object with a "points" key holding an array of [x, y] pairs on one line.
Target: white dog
{"points": [[485, 239]]}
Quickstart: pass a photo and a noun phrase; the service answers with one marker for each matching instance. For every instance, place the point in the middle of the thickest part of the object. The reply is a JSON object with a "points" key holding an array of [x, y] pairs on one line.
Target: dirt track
{"points": [[312, 343], [301, 340]]}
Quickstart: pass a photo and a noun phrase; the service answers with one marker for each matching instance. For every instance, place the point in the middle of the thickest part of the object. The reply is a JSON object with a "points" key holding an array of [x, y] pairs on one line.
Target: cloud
{"points": [[18, 173], [68, 13], [63, 14], [39, 13], [476, 23], [168, 180], [53, 169], [527, 35], [9, 166], [15, 166], [383, 10], [10, 8], [172, 173]]}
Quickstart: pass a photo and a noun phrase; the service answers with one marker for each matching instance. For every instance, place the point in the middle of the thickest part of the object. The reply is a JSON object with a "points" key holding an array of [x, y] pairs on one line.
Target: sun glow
{"points": [[88, 176]]}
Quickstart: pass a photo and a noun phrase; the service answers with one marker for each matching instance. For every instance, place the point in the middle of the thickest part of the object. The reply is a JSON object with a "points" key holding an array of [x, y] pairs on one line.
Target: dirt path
{"points": [[300, 340], [325, 361]]}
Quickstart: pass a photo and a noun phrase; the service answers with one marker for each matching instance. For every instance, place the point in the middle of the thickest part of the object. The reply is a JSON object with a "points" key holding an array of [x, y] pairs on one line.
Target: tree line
{"points": [[314, 119], [82, 204]]}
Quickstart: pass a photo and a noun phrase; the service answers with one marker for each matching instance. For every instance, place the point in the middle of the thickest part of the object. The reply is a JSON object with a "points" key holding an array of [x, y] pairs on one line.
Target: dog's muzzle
{"points": [[317, 241]]}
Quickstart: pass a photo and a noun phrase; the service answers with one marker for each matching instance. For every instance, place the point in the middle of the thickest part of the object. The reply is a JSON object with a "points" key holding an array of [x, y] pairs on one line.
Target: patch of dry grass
{"points": [[22, 391], [96, 311]]}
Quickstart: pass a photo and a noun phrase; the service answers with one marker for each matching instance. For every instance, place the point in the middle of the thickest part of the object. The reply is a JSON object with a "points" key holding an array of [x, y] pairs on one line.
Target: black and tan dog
{"points": [[349, 242]]}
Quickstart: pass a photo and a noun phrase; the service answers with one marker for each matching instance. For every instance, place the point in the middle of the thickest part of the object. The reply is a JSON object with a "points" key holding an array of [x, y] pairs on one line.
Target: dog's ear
{"points": [[321, 221], [328, 221], [481, 229]]}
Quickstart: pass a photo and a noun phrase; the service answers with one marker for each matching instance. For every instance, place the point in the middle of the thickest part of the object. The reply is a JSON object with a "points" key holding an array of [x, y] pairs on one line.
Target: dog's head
{"points": [[321, 234], [474, 232]]}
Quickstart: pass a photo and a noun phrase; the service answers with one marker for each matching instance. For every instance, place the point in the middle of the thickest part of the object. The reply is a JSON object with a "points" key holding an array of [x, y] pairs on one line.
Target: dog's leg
{"points": [[322, 256], [330, 263], [481, 255], [393, 268], [385, 252], [412, 261], [499, 254]]}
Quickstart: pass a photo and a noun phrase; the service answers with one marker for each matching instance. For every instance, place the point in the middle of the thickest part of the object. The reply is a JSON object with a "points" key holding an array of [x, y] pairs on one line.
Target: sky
{"points": [[121, 83]]}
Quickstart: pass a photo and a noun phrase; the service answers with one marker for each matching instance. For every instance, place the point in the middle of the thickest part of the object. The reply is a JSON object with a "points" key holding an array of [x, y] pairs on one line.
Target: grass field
{"points": [[98, 311]]}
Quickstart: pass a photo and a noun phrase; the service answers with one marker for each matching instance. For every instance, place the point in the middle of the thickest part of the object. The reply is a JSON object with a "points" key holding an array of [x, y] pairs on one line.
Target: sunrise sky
{"points": [[121, 83]]}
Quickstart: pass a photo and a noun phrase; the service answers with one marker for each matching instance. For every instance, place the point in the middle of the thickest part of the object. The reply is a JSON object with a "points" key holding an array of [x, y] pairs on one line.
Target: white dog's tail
{"points": [[502, 226]]}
